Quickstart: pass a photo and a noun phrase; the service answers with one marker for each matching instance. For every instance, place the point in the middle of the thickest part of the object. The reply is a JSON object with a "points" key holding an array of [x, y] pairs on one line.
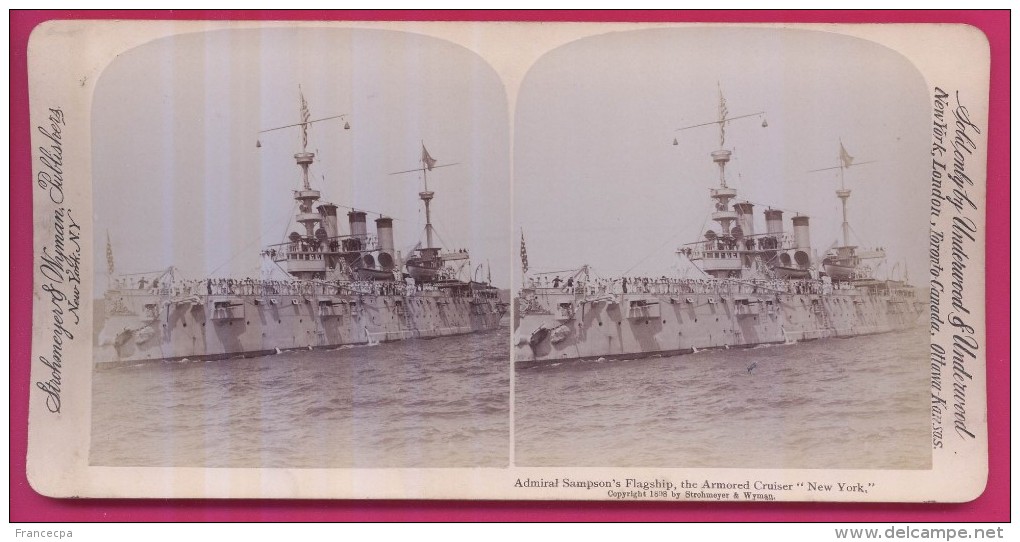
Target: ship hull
{"points": [[145, 327], [641, 324]]}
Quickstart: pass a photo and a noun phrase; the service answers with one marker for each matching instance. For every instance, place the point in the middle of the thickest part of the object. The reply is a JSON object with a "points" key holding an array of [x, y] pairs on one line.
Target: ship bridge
{"points": [[321, 256], [733, 253]]}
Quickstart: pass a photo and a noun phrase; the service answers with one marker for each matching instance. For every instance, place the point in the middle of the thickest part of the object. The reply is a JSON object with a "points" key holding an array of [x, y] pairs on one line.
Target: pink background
{"points": [[992, 506]]}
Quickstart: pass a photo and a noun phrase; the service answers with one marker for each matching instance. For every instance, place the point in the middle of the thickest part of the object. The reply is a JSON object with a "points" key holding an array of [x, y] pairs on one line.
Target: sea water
{"points": [[440, 402], [856, 403]]}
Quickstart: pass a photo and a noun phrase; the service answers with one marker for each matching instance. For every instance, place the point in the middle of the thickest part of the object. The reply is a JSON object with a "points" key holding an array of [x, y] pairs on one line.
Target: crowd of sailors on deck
{"points": [[667, 285], [257, 287]]}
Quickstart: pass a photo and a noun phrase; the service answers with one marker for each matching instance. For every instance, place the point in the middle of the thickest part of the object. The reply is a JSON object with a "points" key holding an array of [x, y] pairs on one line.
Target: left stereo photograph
{"points": [[291, 255]]}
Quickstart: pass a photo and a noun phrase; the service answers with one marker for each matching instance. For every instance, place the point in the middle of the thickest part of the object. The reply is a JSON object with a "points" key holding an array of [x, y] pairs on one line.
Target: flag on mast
{"points": [[305, 117], [427, 159], [723, 113], [844, 157], [524, 254], [109, 255]]}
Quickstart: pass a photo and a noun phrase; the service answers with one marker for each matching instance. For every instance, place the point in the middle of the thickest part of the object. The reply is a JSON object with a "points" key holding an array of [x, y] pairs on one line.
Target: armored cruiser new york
{"points": [[326, 288], [749, 289]]}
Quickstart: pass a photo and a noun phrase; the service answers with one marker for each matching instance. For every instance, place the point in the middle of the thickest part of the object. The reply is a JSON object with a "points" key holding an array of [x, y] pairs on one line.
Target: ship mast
{"points": [[843, 193], [845, 160], [307, 197], [427, 164], [723, 261], [723, 214], [316, 223]]}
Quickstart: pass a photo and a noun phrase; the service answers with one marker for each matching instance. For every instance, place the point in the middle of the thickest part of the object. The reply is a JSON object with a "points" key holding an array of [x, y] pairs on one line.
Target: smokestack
{"points": [[357, 222], [328, 212], [384, 229], [801, 232], [774, 222], [745, 217]]}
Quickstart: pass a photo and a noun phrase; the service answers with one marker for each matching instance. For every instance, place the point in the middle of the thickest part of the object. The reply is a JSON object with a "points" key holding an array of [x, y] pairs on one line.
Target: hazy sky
{"points": [[178, 179], [598, 181]]}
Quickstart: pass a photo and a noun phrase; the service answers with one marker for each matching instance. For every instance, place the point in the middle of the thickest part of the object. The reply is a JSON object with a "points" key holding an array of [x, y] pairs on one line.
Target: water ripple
{"points": [[838, 403], [434, 403]]}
